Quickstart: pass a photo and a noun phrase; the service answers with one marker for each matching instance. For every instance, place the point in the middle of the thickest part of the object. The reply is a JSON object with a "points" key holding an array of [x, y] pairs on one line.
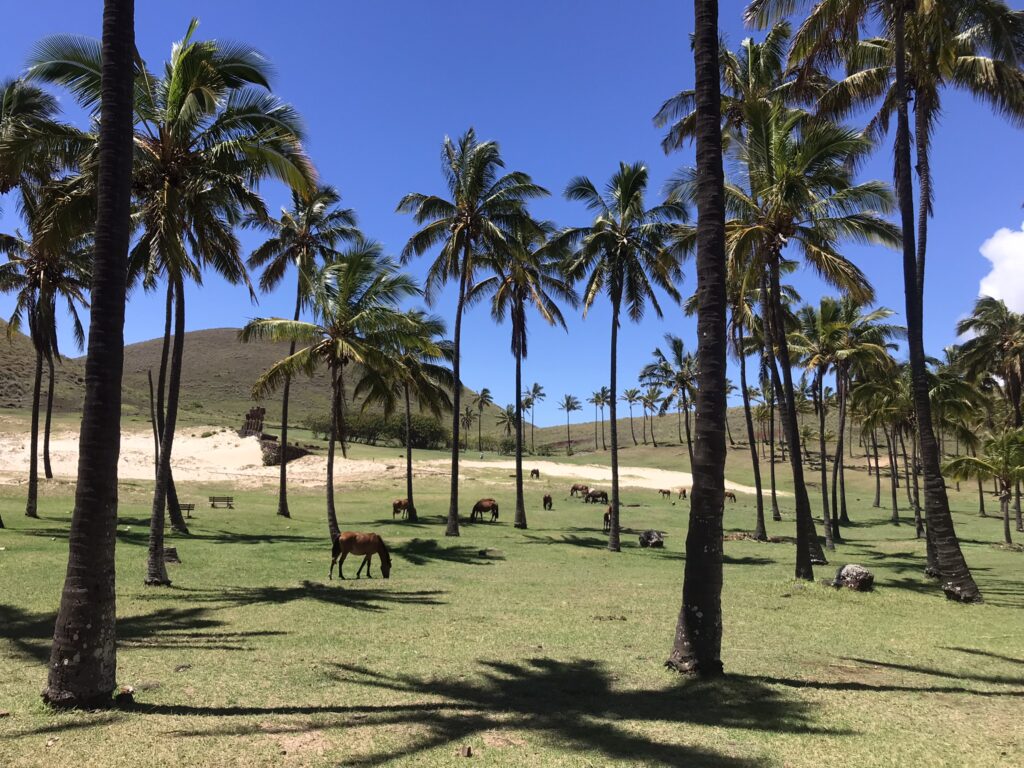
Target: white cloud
{"points": [[1005, 249]]}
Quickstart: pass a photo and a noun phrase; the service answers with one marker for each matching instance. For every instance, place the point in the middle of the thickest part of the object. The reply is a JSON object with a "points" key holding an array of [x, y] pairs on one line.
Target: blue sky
{"points": [[567, 88]]}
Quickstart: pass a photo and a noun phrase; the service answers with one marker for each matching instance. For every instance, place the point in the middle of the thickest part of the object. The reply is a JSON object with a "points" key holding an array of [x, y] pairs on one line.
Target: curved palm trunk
{"points": [[173, 506], [156, 568], [632, 433], [452, 527], [878, 470], [697, 646], [83, 660], [686, 421], [613, 536], [49, 416], [808, 549], [823, 453], [282, 488], [411, 515], [31, 504], [332, 514], [728, 429], [957, 581], [760, 530], [520, 517]]}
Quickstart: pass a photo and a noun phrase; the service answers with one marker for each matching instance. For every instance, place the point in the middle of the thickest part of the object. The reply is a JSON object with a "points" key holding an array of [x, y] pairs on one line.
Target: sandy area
{"points": [[225, 457]]}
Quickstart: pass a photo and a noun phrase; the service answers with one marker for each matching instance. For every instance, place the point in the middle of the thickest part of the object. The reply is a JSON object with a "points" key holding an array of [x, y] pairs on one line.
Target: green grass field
{"points": [[534, 648]]}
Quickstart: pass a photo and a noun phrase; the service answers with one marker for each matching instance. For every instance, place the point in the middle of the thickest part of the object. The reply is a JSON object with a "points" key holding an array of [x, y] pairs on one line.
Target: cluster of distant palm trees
{"points": [[172, 162]]}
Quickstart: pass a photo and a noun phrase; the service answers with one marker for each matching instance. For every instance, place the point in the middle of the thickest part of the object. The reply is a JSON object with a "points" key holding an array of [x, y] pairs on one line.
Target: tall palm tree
{"points": [[996, 347], [536, 395], [622, 253], [927, 47], [83, 659], [356, 320], [631, 397], [304, 237], [207, 132], [45, 268], [527, 276], [483, 399], [603, 396], [1001, 460], [569, 403], [697, 647], [417, 366], [651, 400], [483, 209], [468, 418]]}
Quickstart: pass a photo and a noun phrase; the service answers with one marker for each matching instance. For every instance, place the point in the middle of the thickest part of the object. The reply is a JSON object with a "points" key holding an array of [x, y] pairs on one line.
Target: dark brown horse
{"points": [[595, 496], [608, 519], [535, 474], [731, 496], [547, 501], [682, 493], [482, 506], [579, 489], [665, 493], [368, 544], [399, 505]]}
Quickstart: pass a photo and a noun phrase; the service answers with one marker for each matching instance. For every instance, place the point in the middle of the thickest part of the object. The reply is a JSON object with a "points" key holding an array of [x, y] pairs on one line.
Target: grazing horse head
{"points": [[385, 560]]}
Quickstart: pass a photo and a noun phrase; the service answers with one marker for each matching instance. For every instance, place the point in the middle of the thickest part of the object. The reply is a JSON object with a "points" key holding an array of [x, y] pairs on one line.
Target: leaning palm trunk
{"points": [[49, 417], [83, 659], [956, 578], [760, 530], [31, 505], [332, 514], [282, 491], [613, 536], [411, 515], [156, 568], [697, 647], [173, 506]]}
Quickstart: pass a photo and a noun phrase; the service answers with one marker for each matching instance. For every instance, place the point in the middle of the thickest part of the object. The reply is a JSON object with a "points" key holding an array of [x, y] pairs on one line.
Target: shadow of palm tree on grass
{"points": [[423, 551]]}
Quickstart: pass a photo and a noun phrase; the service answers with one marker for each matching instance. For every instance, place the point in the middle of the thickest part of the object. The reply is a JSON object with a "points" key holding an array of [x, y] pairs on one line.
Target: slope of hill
{"points": [[17, 371]]}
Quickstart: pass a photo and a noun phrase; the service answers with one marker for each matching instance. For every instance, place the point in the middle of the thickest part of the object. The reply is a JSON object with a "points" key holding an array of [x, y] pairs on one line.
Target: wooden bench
{"points": [[188, 509], [227, 501]]}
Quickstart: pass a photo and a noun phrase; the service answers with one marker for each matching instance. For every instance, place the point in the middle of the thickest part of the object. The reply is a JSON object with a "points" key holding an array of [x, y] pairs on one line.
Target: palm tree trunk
{"points": [[686, 421], [411, 515], [907, 485], [173, 505], [679, 424], [760, 530], [282, 488], [808, 549], [878, 471], [776, 514], [728, 430], [156, 568], [520, 517], [83, 659], [452, 526], [645, 424], [1004, 506], [31, 504], [890, 443], [632, 432], [1016, 508], [654, 440], [837, 465], [957, 581], [332, 513], [613, 535], [533, 427], [697, 646], [568, 436], [604, 445], [49, 416], [823, 454], [981, 489]]}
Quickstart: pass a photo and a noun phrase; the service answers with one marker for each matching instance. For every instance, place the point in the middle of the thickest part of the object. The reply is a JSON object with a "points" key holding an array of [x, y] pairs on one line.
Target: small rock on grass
{"points": [[182, 667]]}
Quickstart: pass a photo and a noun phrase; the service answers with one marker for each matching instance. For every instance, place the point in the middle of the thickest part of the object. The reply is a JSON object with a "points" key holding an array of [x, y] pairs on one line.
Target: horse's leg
{"points": [[341, 564], [369, 562]]}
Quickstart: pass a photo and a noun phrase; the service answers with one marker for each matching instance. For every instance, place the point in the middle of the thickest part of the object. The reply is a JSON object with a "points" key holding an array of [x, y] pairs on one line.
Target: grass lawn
{"points": [[534, 648]]}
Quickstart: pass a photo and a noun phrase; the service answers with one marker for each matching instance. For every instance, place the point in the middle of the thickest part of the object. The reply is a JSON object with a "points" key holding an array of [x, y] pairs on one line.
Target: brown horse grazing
{"points": [[682, 493], [731, 496], [399, 505], [482, 506], [547, 502], [595, 496], [608, 519], [579, 489], [665, 493], [368, 544], [535, 474]]}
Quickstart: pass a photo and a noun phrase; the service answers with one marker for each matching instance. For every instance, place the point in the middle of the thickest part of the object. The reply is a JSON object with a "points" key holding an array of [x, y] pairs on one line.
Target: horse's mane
{"points": [[385, 552]]}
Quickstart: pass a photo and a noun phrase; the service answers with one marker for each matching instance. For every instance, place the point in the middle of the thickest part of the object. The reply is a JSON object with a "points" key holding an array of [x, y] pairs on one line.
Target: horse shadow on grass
{"points": [[424, 551], [574, 704]]}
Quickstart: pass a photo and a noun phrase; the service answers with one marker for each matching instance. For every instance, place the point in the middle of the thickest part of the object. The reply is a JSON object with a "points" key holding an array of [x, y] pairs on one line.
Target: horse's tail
{"points": [[335, 546]]}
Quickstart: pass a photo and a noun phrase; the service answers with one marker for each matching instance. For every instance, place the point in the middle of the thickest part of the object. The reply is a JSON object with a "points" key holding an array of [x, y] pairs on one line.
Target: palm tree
{"points": [[631, 397], [206, 133], [481, 401], [467, 420], [305, 236], [1001, 460], [651, 399], [569, 403], [356, 320], [527, 276], [536, 395], [483, 210], [996, 347], [622, 253], [47, 268], [595, 400], [697, 648], [507, 420], [83, 659], [676, 372], [416, 366]]}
